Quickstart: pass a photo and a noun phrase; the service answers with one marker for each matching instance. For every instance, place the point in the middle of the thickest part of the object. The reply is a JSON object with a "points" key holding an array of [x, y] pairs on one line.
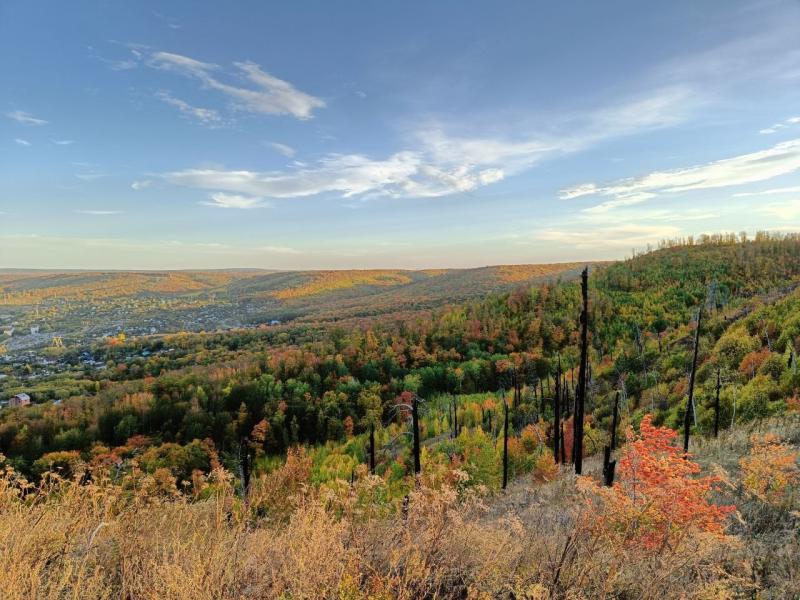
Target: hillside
{"points": [[82, 306], [269, 430]]}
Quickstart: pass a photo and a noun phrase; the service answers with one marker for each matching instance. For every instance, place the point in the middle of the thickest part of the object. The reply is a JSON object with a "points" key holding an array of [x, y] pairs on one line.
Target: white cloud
{"points": [[63, 142], [98, 212], [91, 176], [287, 151], [663, 107], [25, 118], [770, 192], [277, 249], [627, 235], [786, 211], [268, 94], [762, 165], [221, 200], [577, 191], [22, 142], [205, 115], [141, 184], [774, 128], [401, 175]]}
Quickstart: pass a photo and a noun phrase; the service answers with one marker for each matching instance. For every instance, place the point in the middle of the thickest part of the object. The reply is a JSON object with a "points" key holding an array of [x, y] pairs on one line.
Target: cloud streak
{"points": [[267, 94], [221, 200], [98, 212], [284, 149], [762, 165], [24, 118], [207, 116]]}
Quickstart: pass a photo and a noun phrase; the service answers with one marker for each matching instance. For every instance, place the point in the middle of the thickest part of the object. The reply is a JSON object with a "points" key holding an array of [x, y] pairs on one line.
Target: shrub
{"points": [[658, 498], [770, 470]]}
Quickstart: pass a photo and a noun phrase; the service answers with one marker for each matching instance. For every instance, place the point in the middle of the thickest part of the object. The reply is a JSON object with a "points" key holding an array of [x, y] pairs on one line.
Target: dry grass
{"points": [[101, 541]]}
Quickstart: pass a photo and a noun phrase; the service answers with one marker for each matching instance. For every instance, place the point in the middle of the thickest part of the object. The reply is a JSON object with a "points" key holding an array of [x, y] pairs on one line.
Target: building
{"points": [[21, 399]]}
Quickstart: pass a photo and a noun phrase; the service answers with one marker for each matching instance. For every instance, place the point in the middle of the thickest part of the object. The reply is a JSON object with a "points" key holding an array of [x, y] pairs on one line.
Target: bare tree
{"points": [[580, 397], [687, 420], [716, 407], [505, 443], [609, 466], [557, 413]]}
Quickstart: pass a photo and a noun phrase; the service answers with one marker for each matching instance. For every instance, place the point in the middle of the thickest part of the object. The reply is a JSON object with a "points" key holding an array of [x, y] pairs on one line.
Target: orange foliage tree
{"points": [[659, 497]]}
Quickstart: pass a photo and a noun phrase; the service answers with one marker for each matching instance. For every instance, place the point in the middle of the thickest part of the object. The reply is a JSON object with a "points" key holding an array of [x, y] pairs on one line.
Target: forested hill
{"points": [[275, 388], [81, 306]]}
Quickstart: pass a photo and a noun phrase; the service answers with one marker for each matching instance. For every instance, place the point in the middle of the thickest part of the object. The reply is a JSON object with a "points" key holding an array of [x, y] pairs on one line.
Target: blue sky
{"points": [[390, 134]]}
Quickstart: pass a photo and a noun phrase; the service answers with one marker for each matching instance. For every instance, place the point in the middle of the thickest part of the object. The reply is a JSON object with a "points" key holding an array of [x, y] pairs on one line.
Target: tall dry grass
{"points": [[65, 539]]}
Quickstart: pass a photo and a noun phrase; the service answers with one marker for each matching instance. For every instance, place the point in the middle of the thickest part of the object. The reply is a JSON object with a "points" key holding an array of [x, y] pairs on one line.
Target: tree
{"points": [[505, 442], [580, 399], [659, 498], [687, 419]]}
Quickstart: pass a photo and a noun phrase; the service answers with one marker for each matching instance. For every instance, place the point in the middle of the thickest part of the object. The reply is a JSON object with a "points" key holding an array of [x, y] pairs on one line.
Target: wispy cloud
{"points": [[624, 236], [287, 151], [22, 142], [207, 116], [267, 95], [63, 142], [98, 212], [221, 200], [763, 165], [402, 174], [90, 176], [278, 249], [141, 184], [777, 126], [770, 192], [25, 118], [786, 211], [441, 164]]}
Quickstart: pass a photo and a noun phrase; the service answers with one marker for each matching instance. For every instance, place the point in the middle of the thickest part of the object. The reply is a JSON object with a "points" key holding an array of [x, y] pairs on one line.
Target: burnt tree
{"points": [[580, 396], [687, 419], [372, 448], [415, 426], [505, 443], [716, 407], [455, 417], [557, 414], [609, 466]]}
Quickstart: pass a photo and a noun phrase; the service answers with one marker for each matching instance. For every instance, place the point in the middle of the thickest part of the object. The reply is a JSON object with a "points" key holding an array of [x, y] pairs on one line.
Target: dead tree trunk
{"points": [[372, 448], [244, 454], [557, 413], [615, 422], [609, 466], [415, 424], [716, 407], [687, 420], [580, 397], [505, 444], [455, 417]]}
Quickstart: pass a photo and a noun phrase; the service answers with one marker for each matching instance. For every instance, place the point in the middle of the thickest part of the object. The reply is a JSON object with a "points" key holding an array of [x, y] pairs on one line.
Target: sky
{"points": [[413, 134]]}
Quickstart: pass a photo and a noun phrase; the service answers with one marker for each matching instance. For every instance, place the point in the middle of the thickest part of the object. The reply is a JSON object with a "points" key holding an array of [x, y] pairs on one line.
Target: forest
{"points": [[403, 427]]}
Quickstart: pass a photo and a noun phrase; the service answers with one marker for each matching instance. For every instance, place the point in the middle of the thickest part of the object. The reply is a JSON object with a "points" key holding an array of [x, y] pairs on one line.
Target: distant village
{"points": [[29, 353]]}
